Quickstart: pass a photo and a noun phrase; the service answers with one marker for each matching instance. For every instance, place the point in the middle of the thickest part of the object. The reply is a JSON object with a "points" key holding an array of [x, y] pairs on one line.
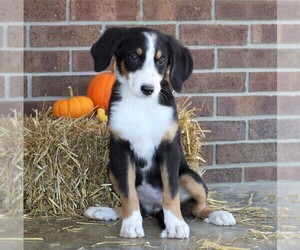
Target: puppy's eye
{"points": [[134, 57], [161, 61]]}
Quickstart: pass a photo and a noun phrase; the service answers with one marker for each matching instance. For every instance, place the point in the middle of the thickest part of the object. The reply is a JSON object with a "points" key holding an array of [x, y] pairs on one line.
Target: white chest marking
{"points": [[143, 122]]}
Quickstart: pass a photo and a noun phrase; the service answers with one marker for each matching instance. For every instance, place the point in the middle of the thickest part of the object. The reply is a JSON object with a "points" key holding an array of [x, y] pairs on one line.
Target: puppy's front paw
{"points": [[132, 226], [101, 213], [221, 218], [175, 228]]}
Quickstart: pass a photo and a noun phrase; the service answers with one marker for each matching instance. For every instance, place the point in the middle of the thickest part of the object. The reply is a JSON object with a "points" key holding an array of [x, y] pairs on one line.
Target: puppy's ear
{"points": [[103, 50], [181, 64]]}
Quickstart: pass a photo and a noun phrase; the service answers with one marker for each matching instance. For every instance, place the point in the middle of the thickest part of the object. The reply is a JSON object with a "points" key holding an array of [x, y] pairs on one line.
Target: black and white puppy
{"points": [[147, 167]]}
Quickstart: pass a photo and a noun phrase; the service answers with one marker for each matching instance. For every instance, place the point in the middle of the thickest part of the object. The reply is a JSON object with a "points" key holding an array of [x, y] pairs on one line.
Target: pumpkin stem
{"points": [[71, 91]]}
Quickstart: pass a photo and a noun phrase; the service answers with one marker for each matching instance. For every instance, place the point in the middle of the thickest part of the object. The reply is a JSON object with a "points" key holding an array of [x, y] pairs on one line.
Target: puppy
{"points": [[147, 166]]}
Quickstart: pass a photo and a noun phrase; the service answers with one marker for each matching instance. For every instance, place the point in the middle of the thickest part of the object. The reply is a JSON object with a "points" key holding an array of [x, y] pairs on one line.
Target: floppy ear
{"points": [[103, 50], [181, 64]]}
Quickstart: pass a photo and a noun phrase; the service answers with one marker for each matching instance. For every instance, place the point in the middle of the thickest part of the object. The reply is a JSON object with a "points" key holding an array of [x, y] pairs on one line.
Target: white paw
{"points": [[221, 218], [101, 213], [175, 228], [132, 226]]}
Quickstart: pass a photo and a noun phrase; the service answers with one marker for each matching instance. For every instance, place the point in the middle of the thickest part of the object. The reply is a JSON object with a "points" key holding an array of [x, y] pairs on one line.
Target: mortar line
{"points": [[27, 44], [196, 22], [243, 174], [7, 87], [68, 11], [216, 58], [249, 35], [29, 87], [141, 10], [213, 10], [5, 38], [70, 61], [240, 165]]}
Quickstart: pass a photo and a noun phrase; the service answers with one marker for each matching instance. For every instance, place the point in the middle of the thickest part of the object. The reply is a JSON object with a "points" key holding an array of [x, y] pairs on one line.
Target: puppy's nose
{"points": [[147, 90]]}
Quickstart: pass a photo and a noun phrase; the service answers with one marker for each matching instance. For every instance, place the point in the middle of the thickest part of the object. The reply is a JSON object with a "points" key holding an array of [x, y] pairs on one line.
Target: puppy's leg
{"points": [[192, 183], [175, 224], [132, 219]]}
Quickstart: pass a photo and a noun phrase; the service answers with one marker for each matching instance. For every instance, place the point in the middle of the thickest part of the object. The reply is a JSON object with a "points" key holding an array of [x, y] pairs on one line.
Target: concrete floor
{"points": [[80, 233]]}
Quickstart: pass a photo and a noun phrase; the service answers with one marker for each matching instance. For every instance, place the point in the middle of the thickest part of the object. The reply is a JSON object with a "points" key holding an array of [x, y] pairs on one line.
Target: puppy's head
{"points": [[143, 56]]}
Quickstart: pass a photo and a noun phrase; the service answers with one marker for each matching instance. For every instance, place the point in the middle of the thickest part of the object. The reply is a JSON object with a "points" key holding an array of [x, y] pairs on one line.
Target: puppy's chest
{"points": [[142, 122]]}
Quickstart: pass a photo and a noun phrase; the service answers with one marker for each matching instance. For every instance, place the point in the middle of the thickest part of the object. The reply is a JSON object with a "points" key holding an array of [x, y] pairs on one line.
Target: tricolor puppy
{"points": [[147, 167]]}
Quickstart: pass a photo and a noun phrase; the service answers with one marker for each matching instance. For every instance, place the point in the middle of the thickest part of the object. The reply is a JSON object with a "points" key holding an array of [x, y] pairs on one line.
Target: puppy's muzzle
{"points": [[147, 90]]}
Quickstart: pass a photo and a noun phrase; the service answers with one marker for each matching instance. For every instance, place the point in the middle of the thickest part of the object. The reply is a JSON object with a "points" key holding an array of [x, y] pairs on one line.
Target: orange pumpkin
{"points": [[75, 107], [100, 88]]}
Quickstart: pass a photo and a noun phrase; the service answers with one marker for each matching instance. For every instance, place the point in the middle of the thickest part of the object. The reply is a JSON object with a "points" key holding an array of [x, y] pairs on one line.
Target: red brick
{"points": [[288, 173], [1, 36], [280, 34], [288, 10], [11, 11], [6, 107], [83, 61], [247, 58], [66, 35], [222, 175], [58, 85], [263, 33], [224, 130], [215, 83], [263, 129], [30, 106], [288, 105], [177, 10], [11, 61], [105, 10], [288, 152], [246, 153], [16, 36], [246, 10], [44, 10], [263, 81], [169, 29], [274, 81], [288, 128], [288, 81], [46, 61], [18, 86], [247, 105], [203, 104], [2, 86], [213, 34], [261, 174], [288, 58], [208, 153], [203, 58]]}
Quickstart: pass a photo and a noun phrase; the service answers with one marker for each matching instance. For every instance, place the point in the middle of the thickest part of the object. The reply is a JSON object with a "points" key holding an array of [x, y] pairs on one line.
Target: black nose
{"points": [[147, 89]]}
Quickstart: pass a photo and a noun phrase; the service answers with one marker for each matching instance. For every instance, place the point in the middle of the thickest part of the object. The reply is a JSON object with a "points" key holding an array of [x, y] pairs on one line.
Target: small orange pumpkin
{"points": [[100, 88], [75, 107]]}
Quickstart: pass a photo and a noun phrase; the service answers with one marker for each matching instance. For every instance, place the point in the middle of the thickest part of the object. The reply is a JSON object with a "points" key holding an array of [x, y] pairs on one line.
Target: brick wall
{"points": [[234, 82]]}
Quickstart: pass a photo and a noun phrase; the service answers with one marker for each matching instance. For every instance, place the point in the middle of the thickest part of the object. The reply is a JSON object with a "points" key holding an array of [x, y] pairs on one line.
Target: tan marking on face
{"points": [[170, 203], [197, 191], [158, 55], [124, 70], [171, 132], [139, 51]]}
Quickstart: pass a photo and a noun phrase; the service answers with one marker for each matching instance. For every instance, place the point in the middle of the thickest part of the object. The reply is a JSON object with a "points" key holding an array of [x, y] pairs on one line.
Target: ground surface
{"points": [[74, 233]]}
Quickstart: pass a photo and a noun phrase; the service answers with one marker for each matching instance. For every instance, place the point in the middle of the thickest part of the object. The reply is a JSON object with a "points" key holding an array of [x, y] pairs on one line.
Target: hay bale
{"points": [[66, 162], [11, 165]]}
